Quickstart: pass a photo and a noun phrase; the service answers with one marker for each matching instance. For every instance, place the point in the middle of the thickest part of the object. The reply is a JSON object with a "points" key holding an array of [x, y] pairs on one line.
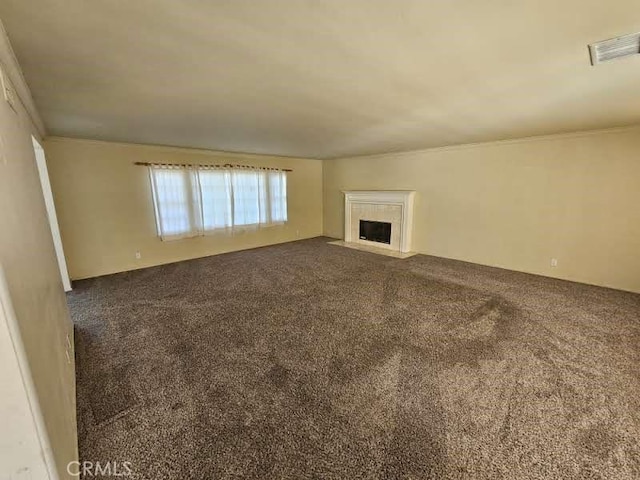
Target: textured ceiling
{"points": [[322, 78]]}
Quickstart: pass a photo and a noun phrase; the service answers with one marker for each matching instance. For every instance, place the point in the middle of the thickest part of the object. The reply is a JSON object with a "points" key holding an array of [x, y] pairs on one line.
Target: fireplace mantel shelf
{"points": [[380, 196]]}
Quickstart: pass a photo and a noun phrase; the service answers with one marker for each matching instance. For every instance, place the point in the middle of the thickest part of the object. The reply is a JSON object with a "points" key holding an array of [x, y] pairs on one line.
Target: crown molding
{"points": [[13, 71], [497, 143], [175, 149]]}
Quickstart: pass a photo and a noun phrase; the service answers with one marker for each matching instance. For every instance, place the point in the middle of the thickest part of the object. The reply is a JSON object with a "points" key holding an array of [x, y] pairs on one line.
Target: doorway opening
{"points": [[41, 163]]}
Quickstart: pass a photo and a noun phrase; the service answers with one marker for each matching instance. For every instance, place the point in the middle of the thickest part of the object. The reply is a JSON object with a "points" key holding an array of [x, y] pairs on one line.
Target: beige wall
{"points": [[20, 441], [516, 204], [38, 304], [106, 213]]}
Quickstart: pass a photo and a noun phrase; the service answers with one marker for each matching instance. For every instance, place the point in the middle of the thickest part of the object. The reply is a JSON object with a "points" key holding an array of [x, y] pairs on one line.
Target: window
{"points": [[249, 198], [215, 187], [176, 202], [192, 201], [278, 195]]}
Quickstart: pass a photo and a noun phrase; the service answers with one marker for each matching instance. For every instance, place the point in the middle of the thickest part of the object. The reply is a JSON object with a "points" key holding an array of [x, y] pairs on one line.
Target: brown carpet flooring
{"points": [[312, 361]]}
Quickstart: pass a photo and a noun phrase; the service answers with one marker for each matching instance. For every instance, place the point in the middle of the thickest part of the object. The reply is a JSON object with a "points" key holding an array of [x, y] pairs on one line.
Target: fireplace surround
{"points": [[394, 207]]}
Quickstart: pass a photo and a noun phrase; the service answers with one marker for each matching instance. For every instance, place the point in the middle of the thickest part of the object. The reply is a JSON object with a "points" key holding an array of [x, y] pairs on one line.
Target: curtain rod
{"points": [[226, 165]]}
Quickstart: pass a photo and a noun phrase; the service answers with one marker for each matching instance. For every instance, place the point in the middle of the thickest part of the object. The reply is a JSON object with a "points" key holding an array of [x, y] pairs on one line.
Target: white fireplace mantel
{"points": [[403, 199]]}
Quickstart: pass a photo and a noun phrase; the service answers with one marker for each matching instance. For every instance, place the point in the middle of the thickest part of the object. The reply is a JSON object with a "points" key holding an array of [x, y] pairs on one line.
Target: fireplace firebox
{"points": [[375, 231]]}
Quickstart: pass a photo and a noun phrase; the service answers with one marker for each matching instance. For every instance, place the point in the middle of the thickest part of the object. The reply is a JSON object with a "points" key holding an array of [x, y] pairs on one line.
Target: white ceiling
{"points": [[323, 78]]}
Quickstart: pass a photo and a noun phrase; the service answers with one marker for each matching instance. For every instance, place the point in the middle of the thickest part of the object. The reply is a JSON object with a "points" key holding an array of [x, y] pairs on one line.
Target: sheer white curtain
{"points": [[215, 187], [195, 200], [176, 195], [277, 181], [249, 197]]}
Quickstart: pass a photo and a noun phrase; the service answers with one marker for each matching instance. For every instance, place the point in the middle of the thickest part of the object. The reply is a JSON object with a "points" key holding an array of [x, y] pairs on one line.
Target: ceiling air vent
{"points": [[615, 48]]}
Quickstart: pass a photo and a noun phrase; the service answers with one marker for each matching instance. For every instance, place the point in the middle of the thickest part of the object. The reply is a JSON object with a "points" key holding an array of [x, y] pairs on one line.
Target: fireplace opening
{"points": [[375, 231]]}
